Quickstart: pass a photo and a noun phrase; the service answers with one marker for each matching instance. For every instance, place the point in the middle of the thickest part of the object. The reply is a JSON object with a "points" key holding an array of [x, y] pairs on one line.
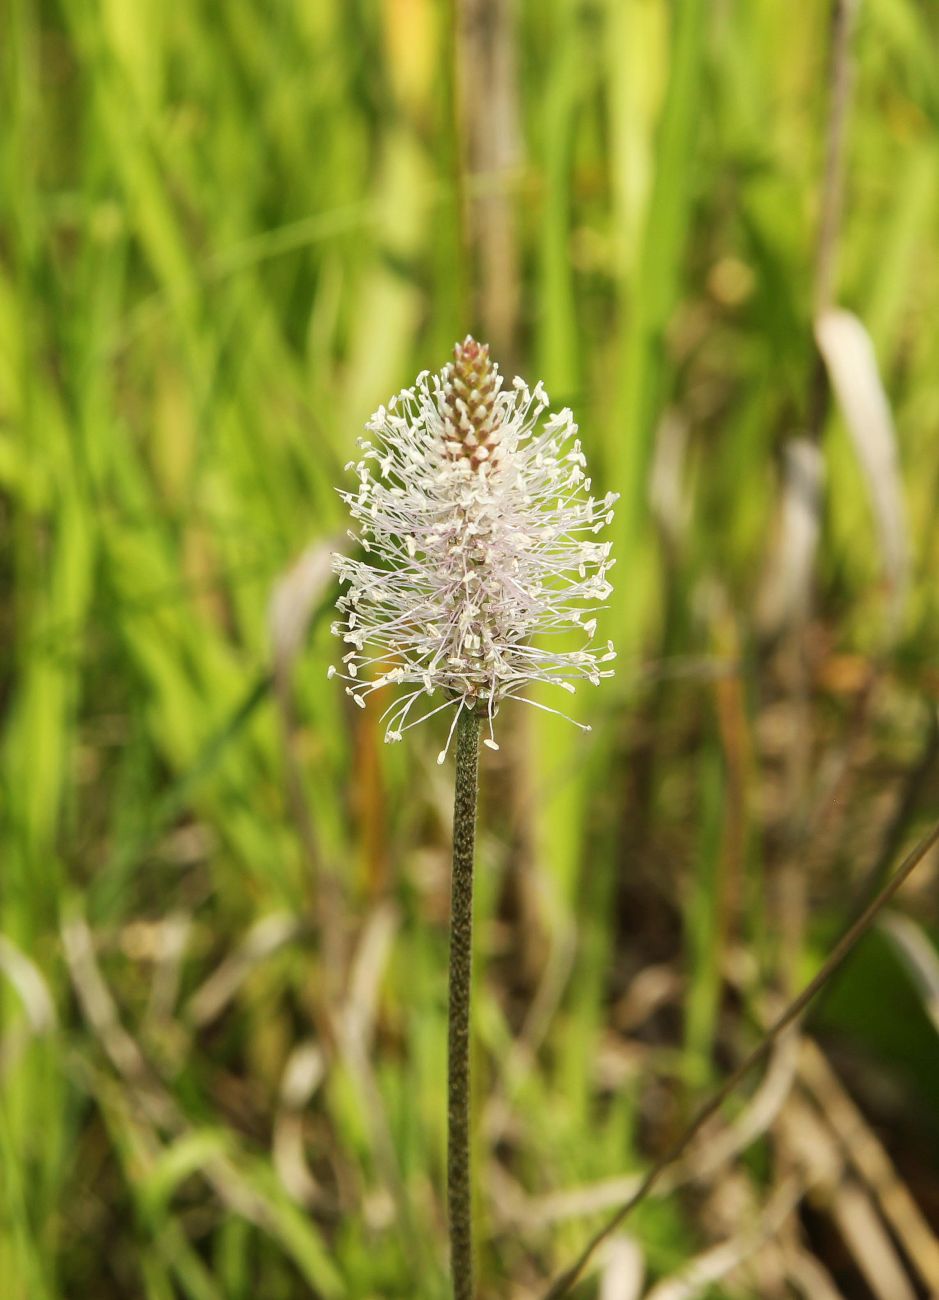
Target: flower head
{"points": [[478, 538]]}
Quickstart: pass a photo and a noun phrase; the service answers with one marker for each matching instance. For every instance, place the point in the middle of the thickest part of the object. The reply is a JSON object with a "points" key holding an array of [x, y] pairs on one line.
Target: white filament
{"points": [[470, 565]]}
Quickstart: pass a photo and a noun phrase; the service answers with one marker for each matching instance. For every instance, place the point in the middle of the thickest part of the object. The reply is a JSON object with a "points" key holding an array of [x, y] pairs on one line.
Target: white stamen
{"points": [[472, 517]]}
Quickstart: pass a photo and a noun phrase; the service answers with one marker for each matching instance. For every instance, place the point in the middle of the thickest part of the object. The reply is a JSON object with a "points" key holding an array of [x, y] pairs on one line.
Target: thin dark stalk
{"points": [[459, 1184], [795, 1008]]}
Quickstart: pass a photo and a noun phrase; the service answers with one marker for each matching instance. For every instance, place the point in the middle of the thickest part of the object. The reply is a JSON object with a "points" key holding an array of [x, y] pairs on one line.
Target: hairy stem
{"points": [[459, 1187]]}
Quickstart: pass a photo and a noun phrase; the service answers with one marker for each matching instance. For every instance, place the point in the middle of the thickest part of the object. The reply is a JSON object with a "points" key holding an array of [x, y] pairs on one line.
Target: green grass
{"points": [[227, 232]]}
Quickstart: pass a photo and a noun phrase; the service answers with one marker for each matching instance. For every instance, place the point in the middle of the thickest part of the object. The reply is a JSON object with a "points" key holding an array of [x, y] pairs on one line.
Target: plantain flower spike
{"points": [[476, 528]]}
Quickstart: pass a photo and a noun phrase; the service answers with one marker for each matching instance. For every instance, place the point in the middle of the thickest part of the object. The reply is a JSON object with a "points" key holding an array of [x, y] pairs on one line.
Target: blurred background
{"points": [[229, 232]]}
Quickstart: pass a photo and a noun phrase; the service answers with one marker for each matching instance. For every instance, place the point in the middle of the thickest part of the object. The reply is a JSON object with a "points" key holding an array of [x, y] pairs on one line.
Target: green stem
{"points": [[459, 1186]]}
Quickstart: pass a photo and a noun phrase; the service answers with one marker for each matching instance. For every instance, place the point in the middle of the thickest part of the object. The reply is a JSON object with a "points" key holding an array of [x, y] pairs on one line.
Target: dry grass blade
{"points": [[265, 937], [303, 1073], [37, 1002], [100, 1011], [150, 1110], [851, 362], [870, 1244], [865, 1152], [172, 937], [808, 1276], [791, 1013], [807, 1139], [756, 1119], [529, 1214], [623, 1270], [669, 499], [294, 600], [784, 596], [30, 985], [368, 968], [532, 1213], [353, 1028], [715, 1264]]}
